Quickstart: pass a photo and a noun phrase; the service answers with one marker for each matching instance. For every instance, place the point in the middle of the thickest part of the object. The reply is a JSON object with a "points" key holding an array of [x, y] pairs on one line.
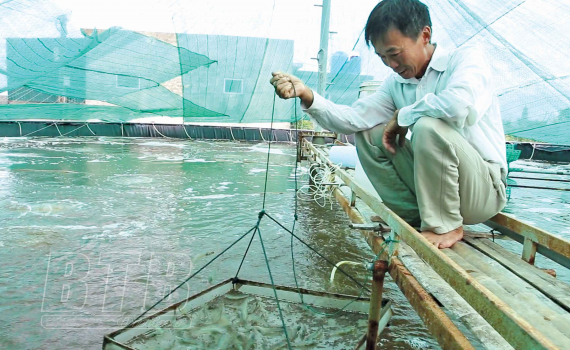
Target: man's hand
{"points": [[391, 130], [289, 86]]}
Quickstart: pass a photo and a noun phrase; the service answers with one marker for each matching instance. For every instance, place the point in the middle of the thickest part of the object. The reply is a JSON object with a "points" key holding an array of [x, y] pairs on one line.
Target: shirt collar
{"points": [[438, 61]]}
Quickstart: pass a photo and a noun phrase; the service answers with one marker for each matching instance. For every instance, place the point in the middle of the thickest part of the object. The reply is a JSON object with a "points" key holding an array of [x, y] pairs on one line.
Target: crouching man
{"points": [[453, 171]]}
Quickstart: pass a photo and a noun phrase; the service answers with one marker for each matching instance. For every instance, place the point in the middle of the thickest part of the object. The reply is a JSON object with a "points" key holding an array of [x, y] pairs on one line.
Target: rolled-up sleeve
{"points": [[364, 114], [465, 99]]}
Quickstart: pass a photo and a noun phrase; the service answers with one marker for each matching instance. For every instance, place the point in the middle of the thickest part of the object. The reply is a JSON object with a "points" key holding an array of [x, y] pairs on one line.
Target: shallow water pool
{"points": [[95, 230]]}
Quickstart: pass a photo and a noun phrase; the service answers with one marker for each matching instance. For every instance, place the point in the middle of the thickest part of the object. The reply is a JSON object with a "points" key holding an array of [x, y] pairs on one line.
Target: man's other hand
{"points": [[289, 86], [393, 131]]}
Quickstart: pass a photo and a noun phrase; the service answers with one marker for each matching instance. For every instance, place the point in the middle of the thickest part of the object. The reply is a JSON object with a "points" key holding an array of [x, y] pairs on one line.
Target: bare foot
{"points": [[444, 240]]}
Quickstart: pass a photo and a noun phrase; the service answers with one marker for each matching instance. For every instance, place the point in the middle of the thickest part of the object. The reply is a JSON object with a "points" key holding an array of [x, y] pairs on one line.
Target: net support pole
{"points": [[323, 54], [375, 313]]}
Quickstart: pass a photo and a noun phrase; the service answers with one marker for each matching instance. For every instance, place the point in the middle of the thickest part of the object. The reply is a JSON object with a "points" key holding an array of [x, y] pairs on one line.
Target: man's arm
{"points": [[466, 98], [364, 114], [307, 99]]}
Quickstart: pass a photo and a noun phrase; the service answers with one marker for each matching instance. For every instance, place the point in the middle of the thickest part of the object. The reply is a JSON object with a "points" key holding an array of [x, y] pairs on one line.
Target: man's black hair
{"points": [[408, 16]]}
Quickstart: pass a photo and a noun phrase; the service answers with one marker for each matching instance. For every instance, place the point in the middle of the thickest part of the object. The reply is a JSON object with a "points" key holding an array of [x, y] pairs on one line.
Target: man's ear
{"points": [[426, 35]]}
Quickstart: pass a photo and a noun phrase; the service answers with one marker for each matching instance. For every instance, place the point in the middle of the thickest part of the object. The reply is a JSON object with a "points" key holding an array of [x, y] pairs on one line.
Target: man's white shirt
{"points": [[457, 88]]}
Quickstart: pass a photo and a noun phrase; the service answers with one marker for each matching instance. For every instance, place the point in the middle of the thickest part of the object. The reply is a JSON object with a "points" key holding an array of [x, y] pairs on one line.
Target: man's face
{"points": [[407, 57]]}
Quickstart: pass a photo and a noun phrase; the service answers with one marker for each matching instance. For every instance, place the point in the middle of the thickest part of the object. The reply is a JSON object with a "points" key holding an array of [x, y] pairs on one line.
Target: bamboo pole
{"points": [[378, 273]]}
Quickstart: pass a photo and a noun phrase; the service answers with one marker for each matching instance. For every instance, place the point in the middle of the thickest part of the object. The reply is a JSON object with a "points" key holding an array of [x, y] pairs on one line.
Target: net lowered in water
{"points": [[212, 62], [243, 321]]}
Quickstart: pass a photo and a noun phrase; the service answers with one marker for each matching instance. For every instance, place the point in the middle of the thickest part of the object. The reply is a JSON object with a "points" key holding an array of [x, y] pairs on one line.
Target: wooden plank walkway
{"points": [[528, 308]]}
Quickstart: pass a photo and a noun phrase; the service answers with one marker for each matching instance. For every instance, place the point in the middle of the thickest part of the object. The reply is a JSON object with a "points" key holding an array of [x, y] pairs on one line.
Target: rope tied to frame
{"points": [[161, 134], [69, 132], [87, 125], [261, 134], [256, 230], [232, 133], [185, 131], [33, 132], [57, 129]]}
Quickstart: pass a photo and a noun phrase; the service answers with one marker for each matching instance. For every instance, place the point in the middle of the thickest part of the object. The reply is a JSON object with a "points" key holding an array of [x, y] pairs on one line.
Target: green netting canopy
{"points": [[211, 61]]}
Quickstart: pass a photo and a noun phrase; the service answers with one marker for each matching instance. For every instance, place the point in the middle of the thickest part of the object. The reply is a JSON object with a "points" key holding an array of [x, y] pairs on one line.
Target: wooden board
{"points": [[516, 330], [556, 290], [511, 291], [452, 302], [535, 234]]}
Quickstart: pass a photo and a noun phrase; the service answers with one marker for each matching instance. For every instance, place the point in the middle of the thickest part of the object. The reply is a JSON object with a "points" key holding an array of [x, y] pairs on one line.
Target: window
{"points": [[128, 82], [233, 86]]}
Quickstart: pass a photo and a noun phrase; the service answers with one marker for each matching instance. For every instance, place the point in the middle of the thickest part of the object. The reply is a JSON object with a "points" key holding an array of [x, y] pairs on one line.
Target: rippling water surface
{"points": [[95, 230]]}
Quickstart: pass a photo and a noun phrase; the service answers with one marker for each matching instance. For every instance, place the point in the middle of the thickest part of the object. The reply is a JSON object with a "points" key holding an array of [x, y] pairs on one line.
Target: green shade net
{"points": [[211, 61], [238, 84], [69, 111], [116, 75]]}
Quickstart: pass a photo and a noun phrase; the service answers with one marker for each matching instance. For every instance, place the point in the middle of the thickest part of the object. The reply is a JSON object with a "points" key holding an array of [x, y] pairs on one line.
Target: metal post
{"points": [[378, 273], [324, 47], [323, 54]]}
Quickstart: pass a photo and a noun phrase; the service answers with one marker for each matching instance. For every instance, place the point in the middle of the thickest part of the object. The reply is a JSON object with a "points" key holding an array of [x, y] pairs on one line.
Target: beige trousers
{"points": [[437, 180]]}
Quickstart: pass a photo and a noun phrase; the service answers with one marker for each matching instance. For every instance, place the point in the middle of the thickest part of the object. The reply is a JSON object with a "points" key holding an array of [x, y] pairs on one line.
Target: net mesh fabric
{"points": [[212, 63]]}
